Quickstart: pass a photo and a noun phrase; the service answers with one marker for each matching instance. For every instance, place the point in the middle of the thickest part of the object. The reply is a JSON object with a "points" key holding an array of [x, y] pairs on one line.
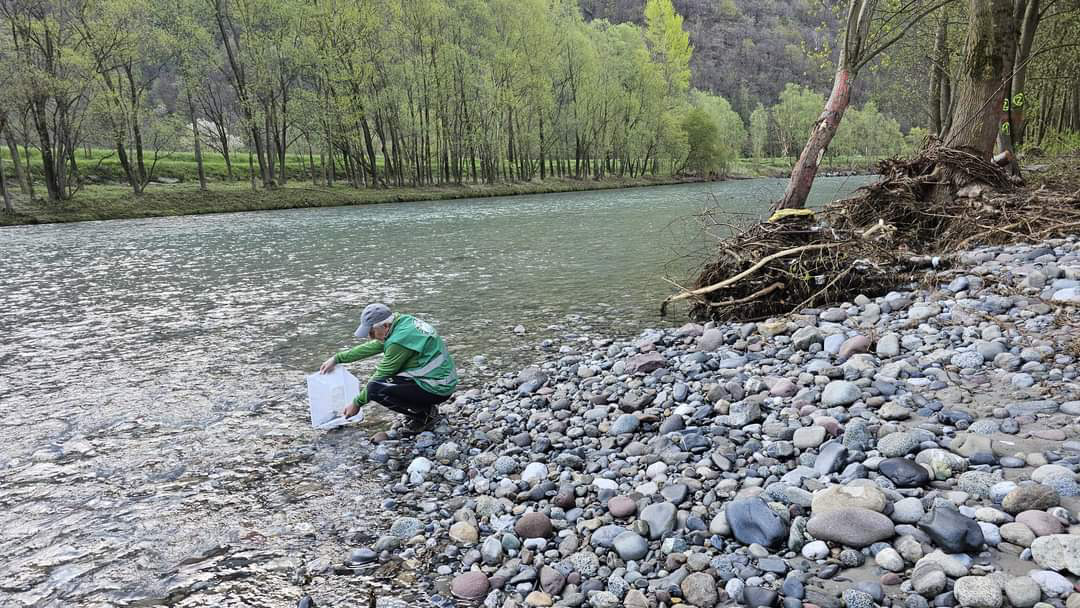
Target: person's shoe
{"points": [[415, 426]]}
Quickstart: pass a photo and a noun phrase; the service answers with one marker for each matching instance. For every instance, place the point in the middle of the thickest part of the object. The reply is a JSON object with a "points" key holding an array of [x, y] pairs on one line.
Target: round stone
{"points": [[1059, 552], [538, 598], [1031, 496], [967, 360], [630, 546], [1041, 522], [904, 473], [853, 598], [951, 531], [1051, 583], [406, 527], [1017, 534], [890, 560], [851, 527], [1022, 592], [626, 423], [839, 393], [534, 472], [661, 518], [470, 585], [815, 550], [907, 510], [699, 589], [464, 532], [840, 497], [621, 506], [897, 444], [752, 521], [978, 592], [808, 437], [533, 525]]}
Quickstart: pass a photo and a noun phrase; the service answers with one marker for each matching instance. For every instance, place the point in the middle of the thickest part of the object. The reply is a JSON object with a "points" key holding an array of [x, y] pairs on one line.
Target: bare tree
{"points": [[868, 32]]}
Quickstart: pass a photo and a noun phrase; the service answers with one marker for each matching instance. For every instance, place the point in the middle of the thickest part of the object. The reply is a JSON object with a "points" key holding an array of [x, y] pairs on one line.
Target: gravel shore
{"points": [[917, 449]]}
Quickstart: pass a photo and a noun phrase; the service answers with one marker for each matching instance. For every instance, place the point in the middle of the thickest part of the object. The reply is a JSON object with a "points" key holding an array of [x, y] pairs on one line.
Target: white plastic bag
{"points": [[329, 394]]}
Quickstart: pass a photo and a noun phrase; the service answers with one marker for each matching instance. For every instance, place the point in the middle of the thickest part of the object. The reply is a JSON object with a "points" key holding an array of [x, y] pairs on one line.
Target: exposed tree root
{"points": [[942, 201]]}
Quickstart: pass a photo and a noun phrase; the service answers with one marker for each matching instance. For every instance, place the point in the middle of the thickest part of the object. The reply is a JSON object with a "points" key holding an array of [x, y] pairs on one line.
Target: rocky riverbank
{"points": [[911, 450]]}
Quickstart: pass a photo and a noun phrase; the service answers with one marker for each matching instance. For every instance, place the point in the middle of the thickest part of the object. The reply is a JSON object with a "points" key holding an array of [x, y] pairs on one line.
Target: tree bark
{"points": [[13, 150], [198, 143], [802, 176], [852, 54], [984, 76], [937, 74], [3, 175], [1018, 98], [48, 164]]}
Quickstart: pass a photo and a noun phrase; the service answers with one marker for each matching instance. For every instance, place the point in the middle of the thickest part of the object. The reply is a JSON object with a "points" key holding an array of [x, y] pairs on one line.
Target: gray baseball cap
{"points": [[373, 315]]}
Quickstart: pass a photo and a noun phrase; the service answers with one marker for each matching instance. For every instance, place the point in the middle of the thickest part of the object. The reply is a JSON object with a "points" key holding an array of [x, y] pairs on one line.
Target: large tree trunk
{"points": [[802, 176], [852, 56], [984, 76]]}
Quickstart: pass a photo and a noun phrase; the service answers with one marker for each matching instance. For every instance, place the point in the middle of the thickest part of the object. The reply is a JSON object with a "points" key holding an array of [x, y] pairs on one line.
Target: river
{"points": [[154, 445]]}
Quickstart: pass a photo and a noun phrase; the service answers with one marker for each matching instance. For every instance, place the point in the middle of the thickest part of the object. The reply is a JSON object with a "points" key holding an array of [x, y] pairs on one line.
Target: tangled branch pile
{"points": [[940, 202]]}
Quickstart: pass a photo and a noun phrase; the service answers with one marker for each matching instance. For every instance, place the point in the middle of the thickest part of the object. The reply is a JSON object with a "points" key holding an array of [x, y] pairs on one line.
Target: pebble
{"points": [[1059, 552], [951, 531], [978, 592], [1022, 592], [752, 521], [851, 527], [664, 469], [904, 473]]}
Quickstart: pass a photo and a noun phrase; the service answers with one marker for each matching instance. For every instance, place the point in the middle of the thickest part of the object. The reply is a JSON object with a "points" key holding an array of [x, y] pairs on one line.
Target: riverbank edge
{"points": [[165, 203], [472, 569]]}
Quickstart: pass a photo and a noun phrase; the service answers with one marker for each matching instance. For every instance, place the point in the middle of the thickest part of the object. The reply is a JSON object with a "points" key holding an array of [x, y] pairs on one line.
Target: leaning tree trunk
{"points": [[802, 176], [860, 13], [984, 76]]}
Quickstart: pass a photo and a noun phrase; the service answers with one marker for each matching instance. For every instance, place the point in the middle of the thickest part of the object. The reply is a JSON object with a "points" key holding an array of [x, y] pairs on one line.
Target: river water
{"points": [[154, 444]]}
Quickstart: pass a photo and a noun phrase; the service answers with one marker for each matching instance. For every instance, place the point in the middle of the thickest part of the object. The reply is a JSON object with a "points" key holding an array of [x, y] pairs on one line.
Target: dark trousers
{"points": [[402, 395]]}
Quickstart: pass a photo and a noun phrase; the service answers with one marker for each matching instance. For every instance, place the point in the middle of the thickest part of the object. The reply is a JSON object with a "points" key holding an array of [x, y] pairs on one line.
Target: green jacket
{"points": [[405, 350]]}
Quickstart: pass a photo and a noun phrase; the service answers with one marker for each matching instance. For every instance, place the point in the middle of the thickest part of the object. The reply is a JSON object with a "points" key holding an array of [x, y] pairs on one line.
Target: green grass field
{"points": [[105, 202], [106, 195]]}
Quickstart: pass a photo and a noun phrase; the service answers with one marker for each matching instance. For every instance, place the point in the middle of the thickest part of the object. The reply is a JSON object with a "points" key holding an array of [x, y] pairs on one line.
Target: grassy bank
{"points": [[107, 202]]}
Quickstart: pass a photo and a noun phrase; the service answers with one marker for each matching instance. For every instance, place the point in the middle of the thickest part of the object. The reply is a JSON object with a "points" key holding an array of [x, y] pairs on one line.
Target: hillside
{"points": [[744, 50]]}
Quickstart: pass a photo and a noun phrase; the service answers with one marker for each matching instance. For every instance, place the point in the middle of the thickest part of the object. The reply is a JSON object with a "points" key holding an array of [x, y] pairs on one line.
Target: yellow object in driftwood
{"points": [[783, 213]]}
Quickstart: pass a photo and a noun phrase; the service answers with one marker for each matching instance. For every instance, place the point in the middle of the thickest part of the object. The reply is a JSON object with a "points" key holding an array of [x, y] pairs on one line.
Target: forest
{"points": [[409, 93]]}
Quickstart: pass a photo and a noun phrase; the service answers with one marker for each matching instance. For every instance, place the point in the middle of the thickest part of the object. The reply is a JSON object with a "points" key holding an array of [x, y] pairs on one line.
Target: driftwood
{"points": [[924, 209]]}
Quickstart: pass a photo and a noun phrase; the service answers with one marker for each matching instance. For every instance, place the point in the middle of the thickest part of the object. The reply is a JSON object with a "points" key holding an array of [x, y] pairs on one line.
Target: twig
{"points": [[824, 289], [757, 294], [747, 272]]}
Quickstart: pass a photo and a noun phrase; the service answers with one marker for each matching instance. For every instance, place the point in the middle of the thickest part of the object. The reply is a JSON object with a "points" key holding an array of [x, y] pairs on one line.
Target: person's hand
{"points": [[328, 366], [351, 410]]}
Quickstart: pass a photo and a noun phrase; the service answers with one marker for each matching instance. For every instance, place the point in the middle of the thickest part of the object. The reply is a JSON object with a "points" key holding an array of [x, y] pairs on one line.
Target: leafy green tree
{"points": [[795, 114], [759, 131], [703, 139], [729, 127], [670, 44]]}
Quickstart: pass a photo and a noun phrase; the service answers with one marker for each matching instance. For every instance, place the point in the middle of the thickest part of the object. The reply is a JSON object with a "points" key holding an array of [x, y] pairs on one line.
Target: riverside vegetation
{"points": [[435, 95]]}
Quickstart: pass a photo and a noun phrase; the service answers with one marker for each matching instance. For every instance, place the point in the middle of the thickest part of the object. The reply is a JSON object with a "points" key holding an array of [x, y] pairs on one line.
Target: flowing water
{"points": [[154, 441]]}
